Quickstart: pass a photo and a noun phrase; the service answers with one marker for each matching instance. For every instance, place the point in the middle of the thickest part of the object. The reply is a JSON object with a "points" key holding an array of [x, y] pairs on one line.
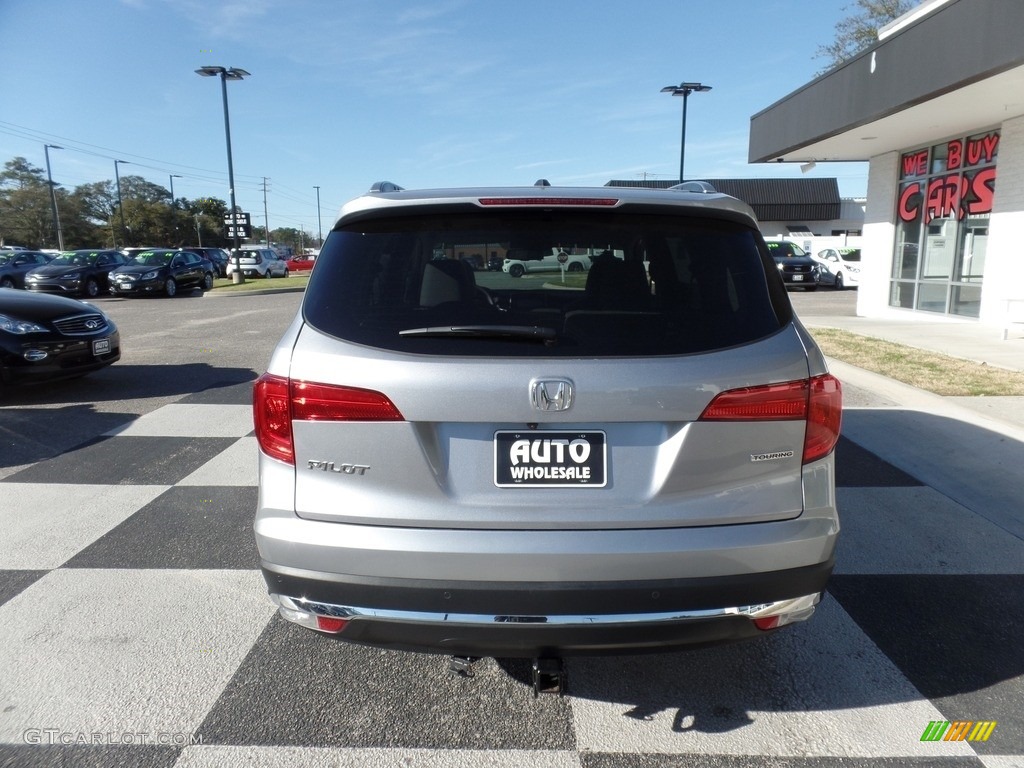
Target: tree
{"points": [[297, 239], [859, 31], [202, 221], [26, 216]]}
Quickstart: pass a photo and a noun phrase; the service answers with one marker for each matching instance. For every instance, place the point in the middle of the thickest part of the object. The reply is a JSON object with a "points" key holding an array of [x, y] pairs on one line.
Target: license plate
{"points": [[547, 459], [797, 278], [100, 347], [125, 286]]}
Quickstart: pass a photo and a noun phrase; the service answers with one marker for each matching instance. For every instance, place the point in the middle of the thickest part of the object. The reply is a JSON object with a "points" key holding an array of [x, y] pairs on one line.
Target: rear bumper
{"points": [[532, 619]]}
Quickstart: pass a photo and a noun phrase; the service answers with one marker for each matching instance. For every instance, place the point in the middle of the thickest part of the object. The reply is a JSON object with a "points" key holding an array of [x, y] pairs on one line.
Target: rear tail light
{"points": [[278, 401], [817, 400]]}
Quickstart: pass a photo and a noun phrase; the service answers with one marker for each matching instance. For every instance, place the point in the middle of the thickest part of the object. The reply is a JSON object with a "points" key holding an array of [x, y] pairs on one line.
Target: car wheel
{"points": [[92, 288], [6, 283], [170, 287], [207, 282], [516, 270], [838, 284], [810, 287], [575, 267]]}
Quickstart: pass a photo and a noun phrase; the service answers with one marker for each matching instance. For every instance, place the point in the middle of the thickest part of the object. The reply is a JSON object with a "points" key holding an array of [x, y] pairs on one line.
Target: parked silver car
{"points": [[466, 463], [258, 262]]}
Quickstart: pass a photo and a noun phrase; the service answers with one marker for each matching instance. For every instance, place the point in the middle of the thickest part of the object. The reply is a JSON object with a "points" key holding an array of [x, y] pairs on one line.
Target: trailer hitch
{"points": [[549, 676]]}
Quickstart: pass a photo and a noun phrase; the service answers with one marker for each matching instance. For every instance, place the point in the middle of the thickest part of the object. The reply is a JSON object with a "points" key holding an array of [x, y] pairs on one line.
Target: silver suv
{"points": [[258, 262], [469, 463]]}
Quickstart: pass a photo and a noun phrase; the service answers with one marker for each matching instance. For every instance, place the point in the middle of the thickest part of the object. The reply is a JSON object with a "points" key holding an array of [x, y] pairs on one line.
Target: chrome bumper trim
{"points": [[297, 609]]}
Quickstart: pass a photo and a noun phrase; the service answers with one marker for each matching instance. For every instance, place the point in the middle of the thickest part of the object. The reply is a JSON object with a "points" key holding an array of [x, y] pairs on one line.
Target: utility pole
{"points": [[266, 219], [319, 224]]}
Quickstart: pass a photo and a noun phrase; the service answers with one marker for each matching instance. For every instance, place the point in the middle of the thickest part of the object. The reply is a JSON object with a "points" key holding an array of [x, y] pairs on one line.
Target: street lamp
{"points": [[319, 224], [229, 73], [120, 206], [684, 90], [174, 211], [53, 195]]}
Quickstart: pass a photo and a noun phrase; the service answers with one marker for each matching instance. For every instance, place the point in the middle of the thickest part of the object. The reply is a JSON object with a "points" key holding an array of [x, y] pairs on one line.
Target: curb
{"points": [[912, 398], [256, 292]]}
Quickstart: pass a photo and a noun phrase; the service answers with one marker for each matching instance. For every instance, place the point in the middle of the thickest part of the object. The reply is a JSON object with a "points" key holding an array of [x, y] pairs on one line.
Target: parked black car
{"points": [[216, 256], [796, 266], [75, 272], [52, 337], [162, 270], [14, 265]]}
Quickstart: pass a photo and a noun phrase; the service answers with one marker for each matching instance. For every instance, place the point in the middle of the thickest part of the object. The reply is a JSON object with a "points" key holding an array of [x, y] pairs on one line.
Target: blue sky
{"points": [[443, 93]]}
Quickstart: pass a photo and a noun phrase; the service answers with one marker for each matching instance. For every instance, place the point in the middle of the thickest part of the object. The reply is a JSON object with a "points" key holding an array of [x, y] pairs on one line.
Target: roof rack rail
{"points": [[695, 186], [386, 186], [542, 183]]}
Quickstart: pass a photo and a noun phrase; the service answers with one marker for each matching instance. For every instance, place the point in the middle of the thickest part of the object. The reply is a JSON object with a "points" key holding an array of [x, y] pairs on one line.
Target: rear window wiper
{"points": [[518, 332]]}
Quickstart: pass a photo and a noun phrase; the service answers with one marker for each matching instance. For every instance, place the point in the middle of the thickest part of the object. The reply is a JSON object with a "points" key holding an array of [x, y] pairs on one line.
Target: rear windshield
{"points": [[534, 284]]}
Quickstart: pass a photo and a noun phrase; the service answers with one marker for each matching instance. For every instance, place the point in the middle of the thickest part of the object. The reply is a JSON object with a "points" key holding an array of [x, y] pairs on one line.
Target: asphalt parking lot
{"points": [[134, 628]]}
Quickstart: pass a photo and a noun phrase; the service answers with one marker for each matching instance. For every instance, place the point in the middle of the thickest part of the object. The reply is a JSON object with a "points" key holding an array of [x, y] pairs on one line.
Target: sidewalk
{"points": [[970, 449], [956, 338], [962, 339]]}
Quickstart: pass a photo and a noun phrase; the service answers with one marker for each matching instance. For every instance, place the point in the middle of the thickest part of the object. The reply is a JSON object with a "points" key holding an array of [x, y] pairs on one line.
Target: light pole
{"points": [[53, 195], [684, 90], [319, 224], [229, 73], [120, 206], [174, 211]]}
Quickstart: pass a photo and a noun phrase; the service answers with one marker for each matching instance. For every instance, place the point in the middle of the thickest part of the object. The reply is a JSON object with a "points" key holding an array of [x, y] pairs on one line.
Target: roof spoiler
{"points": [[695, 186], [386, 186]]}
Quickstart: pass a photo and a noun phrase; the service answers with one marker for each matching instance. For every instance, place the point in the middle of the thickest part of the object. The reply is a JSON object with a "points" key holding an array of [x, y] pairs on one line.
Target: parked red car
{"points": [[301, 263]]}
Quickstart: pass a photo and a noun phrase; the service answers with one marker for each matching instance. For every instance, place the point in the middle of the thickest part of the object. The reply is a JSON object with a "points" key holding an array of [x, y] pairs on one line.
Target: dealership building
{"points": [[936, 108]]}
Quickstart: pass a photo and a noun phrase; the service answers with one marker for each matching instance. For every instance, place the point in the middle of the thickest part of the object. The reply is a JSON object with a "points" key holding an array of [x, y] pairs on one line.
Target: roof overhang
{"points": [[955, 70]]}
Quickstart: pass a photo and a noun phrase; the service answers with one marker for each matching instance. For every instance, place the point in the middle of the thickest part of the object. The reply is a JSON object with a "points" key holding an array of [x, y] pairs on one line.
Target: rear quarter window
{"points": [[652, 284]]}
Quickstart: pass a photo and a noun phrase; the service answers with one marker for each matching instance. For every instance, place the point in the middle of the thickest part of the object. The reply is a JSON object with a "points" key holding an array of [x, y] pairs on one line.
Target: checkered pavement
{"points": [[135, 631]]}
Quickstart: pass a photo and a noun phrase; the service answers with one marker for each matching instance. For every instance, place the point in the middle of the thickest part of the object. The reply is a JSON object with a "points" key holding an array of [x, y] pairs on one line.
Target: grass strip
{"points": [[941, 374]]}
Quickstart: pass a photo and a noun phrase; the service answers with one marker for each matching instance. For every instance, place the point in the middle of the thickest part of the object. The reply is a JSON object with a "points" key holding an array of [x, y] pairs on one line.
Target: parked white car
{"points": [[840, 267], [520, 262], [259, 262]]}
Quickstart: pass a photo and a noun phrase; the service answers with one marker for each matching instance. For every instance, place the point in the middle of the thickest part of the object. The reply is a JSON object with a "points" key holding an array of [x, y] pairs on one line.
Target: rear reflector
{"points": [[330, 623], [817, 400], [278, 401], [549, 201]]}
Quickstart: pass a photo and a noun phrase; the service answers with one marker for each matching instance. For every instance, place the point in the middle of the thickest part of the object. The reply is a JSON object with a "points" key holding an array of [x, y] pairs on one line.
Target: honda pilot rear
{"points": [[634, 457]]}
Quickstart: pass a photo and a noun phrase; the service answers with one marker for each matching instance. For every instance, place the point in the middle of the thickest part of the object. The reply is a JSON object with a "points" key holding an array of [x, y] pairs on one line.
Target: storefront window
{"points": [[945, 198]]}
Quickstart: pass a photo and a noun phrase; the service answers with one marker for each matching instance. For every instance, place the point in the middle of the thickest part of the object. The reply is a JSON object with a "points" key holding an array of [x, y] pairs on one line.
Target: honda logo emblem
{"points": [[551, 394]]}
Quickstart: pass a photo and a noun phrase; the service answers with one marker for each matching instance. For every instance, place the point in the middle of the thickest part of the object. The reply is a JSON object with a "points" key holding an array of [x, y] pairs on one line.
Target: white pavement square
{"points": [[236, 466], [44, 525], [124, 651], [190, 420], [776, 697]]}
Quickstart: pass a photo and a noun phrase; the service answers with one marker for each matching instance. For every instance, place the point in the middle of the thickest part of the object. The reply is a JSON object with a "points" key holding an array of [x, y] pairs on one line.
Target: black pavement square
{"points": [[339, 694], [185, 527], [956, 638], [126, 460], [77, 755], [13, 582], [222, 393], [859, 468]]}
